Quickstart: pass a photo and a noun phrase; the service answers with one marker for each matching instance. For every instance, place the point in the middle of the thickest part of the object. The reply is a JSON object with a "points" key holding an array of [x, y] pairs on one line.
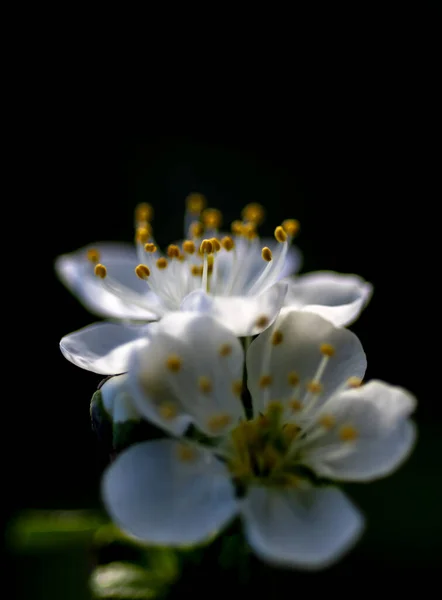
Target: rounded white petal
{"points": [[162, 495], [307, 529], [77, 274], [336, 297], [201, 387], [117, 400], [385, 437], [299, 352], [243, 315], [104, 348]]}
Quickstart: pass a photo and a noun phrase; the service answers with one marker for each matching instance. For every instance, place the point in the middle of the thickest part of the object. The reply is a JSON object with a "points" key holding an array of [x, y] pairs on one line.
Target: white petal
{"points": [[385, 437], [309, 529], [156, 495], [299, 352], [77, 274], [240, 314], [104, 347], [338, 298], [204, 385], [117, 400]]}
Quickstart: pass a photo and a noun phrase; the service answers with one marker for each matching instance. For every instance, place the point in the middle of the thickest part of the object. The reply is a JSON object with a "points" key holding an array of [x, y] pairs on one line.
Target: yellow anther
{"points": [[249, 231], [314, 387], [266, 254], [168, 410], [143, 234], [295, 405], [196, 270], [142, 271], [206, 246], [181, 257], [348, 433], [237, 227], [265, 381], [237, 387], [212, 218], [162, 263], [218, 422], [291, 227], [354, 382], [93, 255], [173, 363], [173, 251], [327, 421], [216, 244], [274, 408], [253, 212], [204, 385], [277, 338], [189, 246], [143, 212], [186, 453], [196, 229], [262, 321], [280, 234], [100, 271], [225, 350], [327, 349], [149, 247], [195, 203], [293, 378], [210, 260], [227, 243]]}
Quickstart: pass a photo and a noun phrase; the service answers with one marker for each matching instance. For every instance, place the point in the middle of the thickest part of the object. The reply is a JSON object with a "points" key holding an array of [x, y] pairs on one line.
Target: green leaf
{"points": [[124, 581]]}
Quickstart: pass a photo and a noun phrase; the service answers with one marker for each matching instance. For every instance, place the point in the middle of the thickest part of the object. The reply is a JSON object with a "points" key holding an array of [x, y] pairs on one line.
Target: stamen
{"points": [[215, 244], [189, 246], [265, 381], [196, 270], [266, 254], [253, 212], [168, 410], [149, 247], [237, 387], [291, 227], [143, 212], [143, 234], [93, 255], [249, 231], [277, 338], [142, 271], [262, 321], [227, 243], [293, 378], [173, 251], [354, 382], [162, 263], [327, 350], [212, 218], [204, 385], [174, 363], [206, 247], [348, 433], [327, 421], [100, 271], [186, 453], [195, 203], [196, 230], [218, 422], [280, 234], [295, 405], [237, 227], [314, 387]]}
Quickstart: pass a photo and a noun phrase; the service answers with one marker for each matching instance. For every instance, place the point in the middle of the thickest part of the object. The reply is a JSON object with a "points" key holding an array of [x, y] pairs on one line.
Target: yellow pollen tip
{"points": [[218, 422], [354, 382], [186, 453], [348, 433], [100, 271], [262, 322], [295, 405], [327, 350], [204, 385], [249, 231], [189, 247], [206, 246], [277, 338], [142, 271], [291, 227], [143, 212], [196, 270], [225, 350], [162, 263], [266, 254], [196, 229], [212, 218], [173, 251], [93, 255], [265, 381], [216, 244], [195, 203], [314, 387], [280, 234], [173, 363], [227, 243], [237, 227], [168, 410], [253, 212], [143, 234], [237, 388], [327, 421], [293, 378], [149, 247]]}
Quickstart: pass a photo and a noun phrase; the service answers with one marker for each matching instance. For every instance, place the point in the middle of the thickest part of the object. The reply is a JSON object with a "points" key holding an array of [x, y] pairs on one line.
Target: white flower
{"points": [[237, 279], [310, 418]]}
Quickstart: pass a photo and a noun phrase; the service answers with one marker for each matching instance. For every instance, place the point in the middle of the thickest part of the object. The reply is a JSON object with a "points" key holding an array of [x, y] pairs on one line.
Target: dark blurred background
{"points": [[356, 180]]}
